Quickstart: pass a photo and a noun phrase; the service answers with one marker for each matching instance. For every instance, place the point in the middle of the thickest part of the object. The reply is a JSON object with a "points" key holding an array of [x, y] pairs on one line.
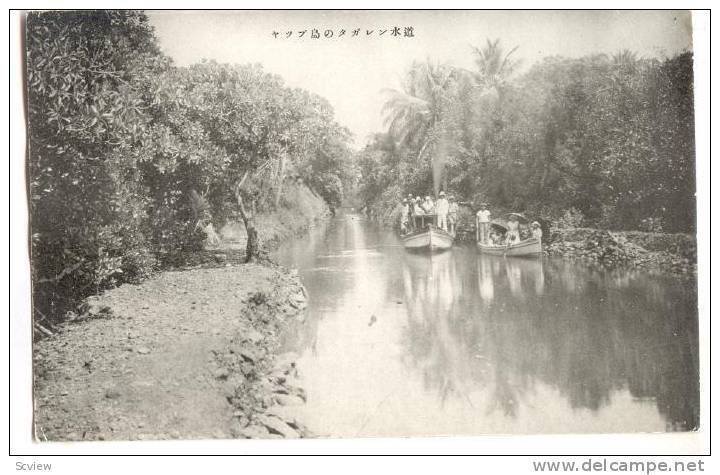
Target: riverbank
{"points": [[672, 253], [189, 353]]}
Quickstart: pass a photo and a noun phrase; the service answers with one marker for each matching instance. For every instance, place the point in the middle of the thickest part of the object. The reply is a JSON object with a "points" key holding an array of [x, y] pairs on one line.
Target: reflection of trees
{"points": [[316, 254], [432, 286], [585, 332]]}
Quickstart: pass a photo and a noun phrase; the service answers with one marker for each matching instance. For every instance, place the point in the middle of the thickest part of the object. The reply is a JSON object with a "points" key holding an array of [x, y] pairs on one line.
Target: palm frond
{"points": [[410, 114]]}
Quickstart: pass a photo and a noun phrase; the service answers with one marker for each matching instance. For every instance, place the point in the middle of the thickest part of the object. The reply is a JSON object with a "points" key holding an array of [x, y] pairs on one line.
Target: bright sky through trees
{"points": [[351, 71]]}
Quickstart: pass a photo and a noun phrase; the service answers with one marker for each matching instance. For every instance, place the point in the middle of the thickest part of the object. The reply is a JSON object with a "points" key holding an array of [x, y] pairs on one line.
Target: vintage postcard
{"points": [[358, 224]]}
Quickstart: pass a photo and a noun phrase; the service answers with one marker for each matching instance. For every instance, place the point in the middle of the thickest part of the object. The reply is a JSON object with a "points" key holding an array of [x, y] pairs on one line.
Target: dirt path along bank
{"points": [[187, 354]]}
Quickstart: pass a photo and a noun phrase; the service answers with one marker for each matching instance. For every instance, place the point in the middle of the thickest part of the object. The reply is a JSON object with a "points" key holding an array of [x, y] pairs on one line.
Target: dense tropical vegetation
{"points": [[601, 140], [128, 153]]}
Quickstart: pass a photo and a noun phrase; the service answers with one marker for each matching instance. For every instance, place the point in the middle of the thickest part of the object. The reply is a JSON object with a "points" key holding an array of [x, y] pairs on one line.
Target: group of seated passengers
{"points": [[498, 238]]}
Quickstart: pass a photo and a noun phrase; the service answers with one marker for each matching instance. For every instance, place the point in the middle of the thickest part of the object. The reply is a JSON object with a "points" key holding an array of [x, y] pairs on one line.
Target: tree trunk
{"points": [[253, 244], [543, 179], [280, 179]]}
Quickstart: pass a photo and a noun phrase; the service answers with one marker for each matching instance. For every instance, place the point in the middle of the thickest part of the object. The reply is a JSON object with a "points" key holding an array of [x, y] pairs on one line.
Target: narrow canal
{"points": [[397, 344]]}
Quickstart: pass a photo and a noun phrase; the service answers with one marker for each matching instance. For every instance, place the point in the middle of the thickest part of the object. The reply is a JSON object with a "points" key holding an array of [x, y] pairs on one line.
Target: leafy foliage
{"points": [[123, 146], [610, 137]]}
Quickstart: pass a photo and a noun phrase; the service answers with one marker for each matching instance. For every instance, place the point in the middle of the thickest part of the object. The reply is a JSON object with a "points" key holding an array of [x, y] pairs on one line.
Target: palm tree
{"points": [[480, 99], [625, 58], [413, 113], [624, 64], [495, 67]]}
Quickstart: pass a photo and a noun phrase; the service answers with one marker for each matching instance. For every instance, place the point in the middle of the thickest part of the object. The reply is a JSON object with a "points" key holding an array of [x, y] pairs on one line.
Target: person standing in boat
{"points": [[417, 206], [417, 212], [536, 231], [452, 214], [411, 212], [428, 206], [404, 216], [482, 223], [442, 207], [513, 232]]}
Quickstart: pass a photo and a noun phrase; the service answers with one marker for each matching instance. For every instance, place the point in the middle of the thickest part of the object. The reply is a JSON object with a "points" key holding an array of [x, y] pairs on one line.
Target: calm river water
{"points": [[397, 344]]}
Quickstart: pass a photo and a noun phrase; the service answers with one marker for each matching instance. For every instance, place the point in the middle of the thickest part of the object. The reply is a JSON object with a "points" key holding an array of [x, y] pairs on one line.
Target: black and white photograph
{"points": [[349, 224]]}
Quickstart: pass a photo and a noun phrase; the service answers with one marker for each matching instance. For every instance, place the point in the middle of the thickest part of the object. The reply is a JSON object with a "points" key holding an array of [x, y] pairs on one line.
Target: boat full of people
{"points": [[511, 236], [430, 238], [527, 247], [430, 225], [427, 225]]}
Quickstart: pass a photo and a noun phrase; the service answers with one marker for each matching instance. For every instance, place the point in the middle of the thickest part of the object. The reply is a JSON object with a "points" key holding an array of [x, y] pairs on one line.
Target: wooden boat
{"points": [[528, 247], [431, 238], [427, 236]]}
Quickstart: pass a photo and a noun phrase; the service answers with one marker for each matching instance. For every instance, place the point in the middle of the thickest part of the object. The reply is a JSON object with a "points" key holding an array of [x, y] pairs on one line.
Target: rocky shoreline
{"points": [[187, 354], [672, 253], [260, 384], [191, 354]]}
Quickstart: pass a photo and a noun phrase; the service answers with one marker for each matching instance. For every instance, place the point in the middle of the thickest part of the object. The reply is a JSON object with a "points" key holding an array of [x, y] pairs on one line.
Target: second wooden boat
{"points": [[528, 247]]}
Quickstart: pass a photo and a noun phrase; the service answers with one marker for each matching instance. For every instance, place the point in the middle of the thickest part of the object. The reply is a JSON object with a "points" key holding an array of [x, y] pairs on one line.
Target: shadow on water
{"points": [[408, 344]]}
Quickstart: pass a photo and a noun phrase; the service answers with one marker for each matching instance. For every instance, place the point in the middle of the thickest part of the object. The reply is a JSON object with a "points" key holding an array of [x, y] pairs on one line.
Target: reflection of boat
{"points": [[427, 237], [433, 292], [528, 247], [486, 280]]}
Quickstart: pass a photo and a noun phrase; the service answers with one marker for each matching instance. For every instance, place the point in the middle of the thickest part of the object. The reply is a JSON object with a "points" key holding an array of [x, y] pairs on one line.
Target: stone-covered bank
{"points": [[187, 354], [673, 253]]}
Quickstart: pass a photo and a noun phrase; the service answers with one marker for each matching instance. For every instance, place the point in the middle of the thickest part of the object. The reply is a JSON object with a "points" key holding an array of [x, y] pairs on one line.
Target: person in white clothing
{"points": [[417, 207], [452, 214], [536, 231], [513, 230], [404, 216], [483, 223], [428, 206], [441, 209]]}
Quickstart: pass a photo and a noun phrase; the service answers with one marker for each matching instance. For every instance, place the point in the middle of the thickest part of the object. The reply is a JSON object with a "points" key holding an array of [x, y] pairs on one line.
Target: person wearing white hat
{"points": [[441, 209], [536, 230], [513, 229], [428, 206], [417, 206], [452, 214], [482, 224]]}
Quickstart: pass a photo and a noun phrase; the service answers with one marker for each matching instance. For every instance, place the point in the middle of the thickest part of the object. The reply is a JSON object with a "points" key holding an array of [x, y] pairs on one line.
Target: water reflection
{"points": [[474, 344], [587, 333]]}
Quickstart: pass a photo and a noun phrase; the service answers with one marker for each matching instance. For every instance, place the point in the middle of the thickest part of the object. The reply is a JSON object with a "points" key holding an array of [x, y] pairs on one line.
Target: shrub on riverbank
{"points": [[684, 245], [671, 252], [604, 140], [130, 157]]}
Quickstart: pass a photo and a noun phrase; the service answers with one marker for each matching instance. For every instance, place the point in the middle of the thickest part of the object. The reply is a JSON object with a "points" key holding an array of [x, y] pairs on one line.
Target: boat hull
{"points": [[528, 247], [429, 239]]}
